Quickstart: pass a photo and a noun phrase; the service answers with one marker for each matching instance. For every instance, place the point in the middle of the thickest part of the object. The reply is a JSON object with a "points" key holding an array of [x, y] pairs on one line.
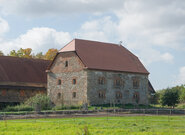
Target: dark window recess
{"points": [[136, 97], [74, 94], [59, 95], [66, 64], [59, 82], [101, 94], [118, 95], [22, 93], [117, 82], [135, 83], [74, 81], [101, 80]]}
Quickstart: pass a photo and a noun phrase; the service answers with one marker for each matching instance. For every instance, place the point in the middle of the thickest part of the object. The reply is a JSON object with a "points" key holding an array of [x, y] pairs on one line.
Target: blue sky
{"points": [[154, 30]]}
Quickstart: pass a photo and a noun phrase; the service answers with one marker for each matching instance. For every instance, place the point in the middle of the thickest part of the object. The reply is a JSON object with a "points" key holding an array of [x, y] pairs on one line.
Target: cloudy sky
{"points": [[154, 30]]}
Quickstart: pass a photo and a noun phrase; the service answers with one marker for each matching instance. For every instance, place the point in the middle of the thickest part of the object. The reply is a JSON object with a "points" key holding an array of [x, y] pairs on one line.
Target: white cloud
{"points": [[57, 7], [181, 76], [39, 39], [4, 27], [100, 29]]}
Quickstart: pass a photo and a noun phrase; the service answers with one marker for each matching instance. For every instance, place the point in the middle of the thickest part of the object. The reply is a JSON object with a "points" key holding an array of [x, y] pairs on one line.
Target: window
{"points": [[74, 94], [22, 93], [101, 80], [117, 82], [59, 95], [136, 97], [135, 83], [3, 93], [101, 94], [66, 64], [118, 95], [59, 82], [74, 81]]}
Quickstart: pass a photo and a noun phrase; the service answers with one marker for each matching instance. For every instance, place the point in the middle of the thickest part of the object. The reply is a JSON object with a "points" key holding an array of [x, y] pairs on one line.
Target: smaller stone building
{"points": [[97, 73], [21, 78]]}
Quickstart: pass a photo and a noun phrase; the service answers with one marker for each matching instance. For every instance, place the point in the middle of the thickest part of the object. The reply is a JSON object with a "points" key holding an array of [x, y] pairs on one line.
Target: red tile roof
{"points": [[14, 69], [105, 56]]}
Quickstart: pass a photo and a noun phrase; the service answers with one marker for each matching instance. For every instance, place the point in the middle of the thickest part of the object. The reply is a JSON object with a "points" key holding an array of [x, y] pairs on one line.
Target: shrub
{"points": [[40, 100], [170, 97], [17, 108], [64, 107]]}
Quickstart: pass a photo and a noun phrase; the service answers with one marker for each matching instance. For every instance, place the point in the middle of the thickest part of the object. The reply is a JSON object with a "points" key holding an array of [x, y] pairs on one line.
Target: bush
{"points": [[17, 108], [40, 100], [63, 107], [170, 97]]}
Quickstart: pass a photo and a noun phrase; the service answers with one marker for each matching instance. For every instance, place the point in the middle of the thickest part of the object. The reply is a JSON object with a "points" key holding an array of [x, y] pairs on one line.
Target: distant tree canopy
{"points": [[1, 53], [27, 53], [51, 54], [171, 96]]}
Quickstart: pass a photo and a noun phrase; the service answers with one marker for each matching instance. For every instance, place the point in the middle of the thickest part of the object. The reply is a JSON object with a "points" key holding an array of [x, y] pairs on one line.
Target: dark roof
{"points": [[15, 69], [105, 56], [151, 89]]}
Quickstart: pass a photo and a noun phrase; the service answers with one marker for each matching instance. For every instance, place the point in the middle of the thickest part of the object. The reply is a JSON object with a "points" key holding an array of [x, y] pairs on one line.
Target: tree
{"points": [[170, 97], [39, 56], [25, 53], [182, 95], [51, 54], [1, 53]]}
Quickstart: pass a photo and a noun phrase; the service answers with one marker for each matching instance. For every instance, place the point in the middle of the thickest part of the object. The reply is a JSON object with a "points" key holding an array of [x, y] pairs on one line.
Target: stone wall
{"points": [[60, 80], [125, 90]]}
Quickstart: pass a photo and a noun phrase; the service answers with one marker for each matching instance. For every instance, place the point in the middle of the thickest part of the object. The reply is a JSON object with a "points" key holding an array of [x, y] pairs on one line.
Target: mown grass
{"points": [[140, 125]]}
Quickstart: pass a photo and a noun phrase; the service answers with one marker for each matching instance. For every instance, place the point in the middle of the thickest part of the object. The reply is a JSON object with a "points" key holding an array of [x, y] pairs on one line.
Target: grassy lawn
{"points": [[142, 125]]}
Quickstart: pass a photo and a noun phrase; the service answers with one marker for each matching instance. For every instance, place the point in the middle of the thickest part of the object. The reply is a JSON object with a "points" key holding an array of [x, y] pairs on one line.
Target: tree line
{"points": [[170, 96], [27, 53]]}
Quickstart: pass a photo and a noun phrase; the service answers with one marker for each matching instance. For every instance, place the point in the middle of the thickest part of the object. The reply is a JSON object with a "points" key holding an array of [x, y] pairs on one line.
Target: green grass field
{"points": [[142, 125]]}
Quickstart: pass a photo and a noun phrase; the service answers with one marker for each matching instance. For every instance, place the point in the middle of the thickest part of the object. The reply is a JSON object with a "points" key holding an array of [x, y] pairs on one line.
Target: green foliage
{"points": [[1, 53], [127, 125], [17, 108], [64, 107], [40, 100], [170, 97]]}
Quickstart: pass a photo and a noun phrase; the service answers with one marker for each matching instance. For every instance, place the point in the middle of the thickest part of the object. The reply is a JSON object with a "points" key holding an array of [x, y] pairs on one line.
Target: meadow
{"points": [[136, 125]]}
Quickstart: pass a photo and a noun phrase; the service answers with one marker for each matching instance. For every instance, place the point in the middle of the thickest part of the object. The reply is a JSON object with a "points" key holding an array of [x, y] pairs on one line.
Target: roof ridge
{"points": [[15, 57]]}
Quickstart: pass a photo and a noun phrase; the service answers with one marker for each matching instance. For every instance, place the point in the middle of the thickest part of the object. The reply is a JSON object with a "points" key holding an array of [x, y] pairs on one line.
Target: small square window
{"points": [[22, 93], [101, 94], [101, 80], [135, 83], [118, 95]]}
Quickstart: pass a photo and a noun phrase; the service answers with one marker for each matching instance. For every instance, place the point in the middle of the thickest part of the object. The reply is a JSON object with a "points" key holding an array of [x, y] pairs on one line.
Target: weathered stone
{"points": [[88, 88]]}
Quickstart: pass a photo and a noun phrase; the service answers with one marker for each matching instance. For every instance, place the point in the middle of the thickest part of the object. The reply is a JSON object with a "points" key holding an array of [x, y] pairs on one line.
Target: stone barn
{"points": [[97, 73], [21, 78]]}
